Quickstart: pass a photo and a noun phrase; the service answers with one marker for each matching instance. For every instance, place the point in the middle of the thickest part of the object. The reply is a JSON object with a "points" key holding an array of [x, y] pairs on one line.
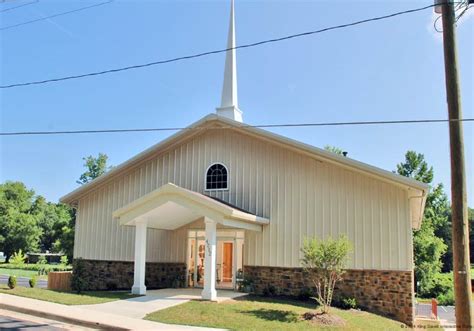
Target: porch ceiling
{"points": [[170, 207]]}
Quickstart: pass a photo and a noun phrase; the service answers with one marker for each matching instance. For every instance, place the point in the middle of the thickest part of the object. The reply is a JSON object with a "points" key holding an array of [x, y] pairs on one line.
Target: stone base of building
{"points": [[111, 275], [389, 293]]}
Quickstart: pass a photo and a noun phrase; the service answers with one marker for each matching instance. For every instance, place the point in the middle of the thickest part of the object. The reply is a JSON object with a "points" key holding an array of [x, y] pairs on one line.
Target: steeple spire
{"points": [[229, 106]]}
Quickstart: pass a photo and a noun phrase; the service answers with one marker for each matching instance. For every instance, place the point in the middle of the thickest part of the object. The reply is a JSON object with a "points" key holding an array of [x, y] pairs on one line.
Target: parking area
{"points": [[445, 313]]}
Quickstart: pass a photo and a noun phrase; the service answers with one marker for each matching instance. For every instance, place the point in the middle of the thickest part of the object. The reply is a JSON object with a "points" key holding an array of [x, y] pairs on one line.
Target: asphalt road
{"points": [[22, 281], [9, 323], [10, 320]]}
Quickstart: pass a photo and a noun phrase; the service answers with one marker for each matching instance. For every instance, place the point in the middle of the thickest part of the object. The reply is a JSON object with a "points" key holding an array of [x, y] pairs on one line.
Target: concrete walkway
{"points": [[155, 300], [78, 315]]}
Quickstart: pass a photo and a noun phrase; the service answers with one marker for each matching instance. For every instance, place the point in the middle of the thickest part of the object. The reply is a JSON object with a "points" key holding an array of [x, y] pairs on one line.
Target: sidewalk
{"points": [[80, 316]]}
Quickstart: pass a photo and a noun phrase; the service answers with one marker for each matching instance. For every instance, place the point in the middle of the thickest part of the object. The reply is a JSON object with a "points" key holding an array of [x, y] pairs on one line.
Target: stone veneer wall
{"points": [[386, 292], [107, 275]]}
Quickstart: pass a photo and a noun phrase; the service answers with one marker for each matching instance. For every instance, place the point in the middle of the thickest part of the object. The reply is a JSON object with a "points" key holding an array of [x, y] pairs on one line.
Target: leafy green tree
{"points": [[18, 225], [429, 249], [65, 231], [51, 218], [334, 149], [96, 166], [446, 234]]}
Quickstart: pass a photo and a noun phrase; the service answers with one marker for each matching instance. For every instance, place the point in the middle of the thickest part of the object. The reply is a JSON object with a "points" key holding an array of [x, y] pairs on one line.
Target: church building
{"points": [[221, 200]]}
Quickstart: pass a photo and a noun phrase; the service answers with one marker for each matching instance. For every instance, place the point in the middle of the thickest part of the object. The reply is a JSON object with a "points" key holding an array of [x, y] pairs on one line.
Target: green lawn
{"points": [[67, 298], [21, 273], [256, 313]]}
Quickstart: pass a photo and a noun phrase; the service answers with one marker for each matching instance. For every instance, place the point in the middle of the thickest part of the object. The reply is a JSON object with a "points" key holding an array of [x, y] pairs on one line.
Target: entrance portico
{"points": [[171, 207]]}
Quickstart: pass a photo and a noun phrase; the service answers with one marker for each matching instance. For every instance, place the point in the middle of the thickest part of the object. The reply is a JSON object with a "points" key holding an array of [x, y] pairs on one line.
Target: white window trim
{"points": [[216, 189]]}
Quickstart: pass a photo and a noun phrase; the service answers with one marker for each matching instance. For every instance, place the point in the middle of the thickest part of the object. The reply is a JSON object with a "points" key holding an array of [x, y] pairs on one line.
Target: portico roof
{"points": [[170, 207]]}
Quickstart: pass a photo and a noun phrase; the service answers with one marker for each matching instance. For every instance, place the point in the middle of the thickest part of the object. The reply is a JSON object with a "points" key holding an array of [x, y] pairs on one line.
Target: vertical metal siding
{"points": [[301, 196]]}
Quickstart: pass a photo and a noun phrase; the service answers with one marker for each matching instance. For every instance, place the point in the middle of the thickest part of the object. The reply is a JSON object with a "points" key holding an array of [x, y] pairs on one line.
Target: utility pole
{"points": [[460, 226]]}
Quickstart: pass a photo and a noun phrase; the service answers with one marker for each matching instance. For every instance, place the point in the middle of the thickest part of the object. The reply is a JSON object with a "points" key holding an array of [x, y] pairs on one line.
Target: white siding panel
{"points": [[301, 196]]}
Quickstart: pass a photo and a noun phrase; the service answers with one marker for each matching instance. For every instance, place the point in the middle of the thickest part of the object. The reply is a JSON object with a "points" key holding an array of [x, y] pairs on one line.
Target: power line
{"points": [[55, 15], [188, 57], [25, 133], [23, 5]]}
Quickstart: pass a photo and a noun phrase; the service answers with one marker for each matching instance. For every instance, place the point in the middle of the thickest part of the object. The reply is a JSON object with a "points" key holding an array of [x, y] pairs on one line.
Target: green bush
{"points": [[64, 261], [42, 262], [440, 284], [12, 282], [36, 267], [18, 258], [446, 299], [349, 303], [345, 302], [79, 276], [32, 282], [269, 291]]}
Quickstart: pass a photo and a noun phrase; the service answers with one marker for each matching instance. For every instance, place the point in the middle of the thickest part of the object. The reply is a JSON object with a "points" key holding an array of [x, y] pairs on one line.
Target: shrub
{"points": [[324, 263], [349, 303], [269, 291], [36, 267], [12, 282], [32, 282], [247, 285], [344, 302], [440, 284], [42, 262], [446, 299], [18, 258], [64, 261], [79, 276]]}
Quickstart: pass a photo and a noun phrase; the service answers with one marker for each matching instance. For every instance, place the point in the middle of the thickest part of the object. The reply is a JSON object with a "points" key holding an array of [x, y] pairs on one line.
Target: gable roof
{"points": [[417, 191]]}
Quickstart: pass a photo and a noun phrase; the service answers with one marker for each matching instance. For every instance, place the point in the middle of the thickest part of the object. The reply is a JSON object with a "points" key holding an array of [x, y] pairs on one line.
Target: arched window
{"points": [[216, 177]]}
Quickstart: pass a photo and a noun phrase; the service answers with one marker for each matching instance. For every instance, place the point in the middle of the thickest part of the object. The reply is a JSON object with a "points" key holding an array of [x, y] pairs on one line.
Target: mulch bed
{"points": [[324, 319]]}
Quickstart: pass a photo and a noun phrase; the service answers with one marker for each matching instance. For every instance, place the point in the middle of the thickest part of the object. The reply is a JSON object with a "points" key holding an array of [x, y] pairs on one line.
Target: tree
{"points": [[96, 166], [334, 149], [51, 219], [324, 262], [429, 249], [18, 225], [65, 231]]}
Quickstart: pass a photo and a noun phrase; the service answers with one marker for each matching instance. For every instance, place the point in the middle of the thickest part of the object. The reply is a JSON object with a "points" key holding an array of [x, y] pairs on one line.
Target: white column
{"points": [[140, 258], [209, 291]]}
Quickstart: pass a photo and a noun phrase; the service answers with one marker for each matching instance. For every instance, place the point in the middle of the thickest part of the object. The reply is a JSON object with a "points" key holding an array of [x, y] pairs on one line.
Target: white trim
{"points": [[290, 143], [213, 120], [216, 189]]}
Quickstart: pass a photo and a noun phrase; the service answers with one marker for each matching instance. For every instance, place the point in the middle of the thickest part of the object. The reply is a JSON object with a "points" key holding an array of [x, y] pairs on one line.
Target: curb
{"points": [[60, 318]]}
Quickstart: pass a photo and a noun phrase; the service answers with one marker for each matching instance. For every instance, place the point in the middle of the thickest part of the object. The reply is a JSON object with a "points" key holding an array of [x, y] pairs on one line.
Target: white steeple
{"points": [[229, 106]]}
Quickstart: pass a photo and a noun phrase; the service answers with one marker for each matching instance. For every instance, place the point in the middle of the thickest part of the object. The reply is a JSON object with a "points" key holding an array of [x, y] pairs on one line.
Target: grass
{"points": [[21, 273], [67, 298], [256, 313]]}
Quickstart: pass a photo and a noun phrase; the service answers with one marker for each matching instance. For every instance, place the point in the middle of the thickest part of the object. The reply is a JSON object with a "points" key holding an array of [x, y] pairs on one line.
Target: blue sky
{"points": [[387, 70]]}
